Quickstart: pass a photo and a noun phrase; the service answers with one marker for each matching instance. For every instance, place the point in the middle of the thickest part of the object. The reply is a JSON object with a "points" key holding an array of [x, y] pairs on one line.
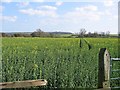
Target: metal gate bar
{"points": [[117, 70]]}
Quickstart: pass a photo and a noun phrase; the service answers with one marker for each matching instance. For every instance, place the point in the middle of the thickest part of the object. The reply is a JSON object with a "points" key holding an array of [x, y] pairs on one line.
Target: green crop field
{"points": [[63, 62]]}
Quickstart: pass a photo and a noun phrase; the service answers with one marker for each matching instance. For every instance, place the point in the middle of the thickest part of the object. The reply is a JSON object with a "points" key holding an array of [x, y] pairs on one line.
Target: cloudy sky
{"points": [[59, 15]]}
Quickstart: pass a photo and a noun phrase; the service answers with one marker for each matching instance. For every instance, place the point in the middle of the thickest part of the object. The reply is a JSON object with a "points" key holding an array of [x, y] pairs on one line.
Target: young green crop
{"points": [[59, 60]]}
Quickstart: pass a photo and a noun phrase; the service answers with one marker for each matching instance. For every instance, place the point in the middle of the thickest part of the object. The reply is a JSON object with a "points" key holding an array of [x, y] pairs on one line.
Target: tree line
{"points": [[40, 33], [37, 33], [82, 33]]}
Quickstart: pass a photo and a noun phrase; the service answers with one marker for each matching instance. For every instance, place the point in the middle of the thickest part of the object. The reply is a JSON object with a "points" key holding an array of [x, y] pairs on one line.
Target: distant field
{"points": [[59, 60], [113, 34], [63, 35]]}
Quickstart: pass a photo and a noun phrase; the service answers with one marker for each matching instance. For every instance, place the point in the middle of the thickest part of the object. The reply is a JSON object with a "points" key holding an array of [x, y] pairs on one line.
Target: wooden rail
{"points": [[23, 84]]}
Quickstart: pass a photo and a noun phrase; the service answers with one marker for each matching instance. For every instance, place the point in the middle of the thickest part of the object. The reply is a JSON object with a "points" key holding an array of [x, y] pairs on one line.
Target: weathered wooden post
{"points": [[104, 69]]}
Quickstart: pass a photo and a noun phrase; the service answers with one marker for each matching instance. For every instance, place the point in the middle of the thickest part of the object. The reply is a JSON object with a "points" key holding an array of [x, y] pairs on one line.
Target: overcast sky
{"points": [[58, 15]]}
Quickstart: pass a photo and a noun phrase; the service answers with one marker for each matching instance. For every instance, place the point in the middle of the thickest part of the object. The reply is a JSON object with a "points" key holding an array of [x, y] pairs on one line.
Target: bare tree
{"points": [[95, 34], [108, 33], [82, 32], [40, 33], [38, 30]]}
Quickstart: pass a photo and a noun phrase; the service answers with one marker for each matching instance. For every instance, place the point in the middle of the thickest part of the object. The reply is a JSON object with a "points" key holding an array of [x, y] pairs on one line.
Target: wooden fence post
{"points": [[104, 69]]}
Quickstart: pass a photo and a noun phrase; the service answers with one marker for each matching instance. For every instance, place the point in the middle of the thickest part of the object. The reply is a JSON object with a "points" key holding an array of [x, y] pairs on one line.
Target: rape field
{"points": [[59, 60]]}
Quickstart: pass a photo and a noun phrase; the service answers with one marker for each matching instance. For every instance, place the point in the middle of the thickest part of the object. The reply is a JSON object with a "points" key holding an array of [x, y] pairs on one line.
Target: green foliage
{"points": [[59, 60]]}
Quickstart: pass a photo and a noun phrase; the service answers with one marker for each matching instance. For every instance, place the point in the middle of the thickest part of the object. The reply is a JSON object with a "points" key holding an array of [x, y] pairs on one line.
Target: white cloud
{"points": [[7, 1], [107, 12], [59, 3], [37, 0], [87, 8], [83, 16], [1, 8], [8, 18], [89, 12], [38, 12], [108, 3], [115, 16], [46, 7], [45, 10], [23, 4]]}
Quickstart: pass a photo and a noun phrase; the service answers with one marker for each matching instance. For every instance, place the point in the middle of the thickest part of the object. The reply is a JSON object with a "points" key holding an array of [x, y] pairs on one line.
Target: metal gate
{"points": [[112, 60]]}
